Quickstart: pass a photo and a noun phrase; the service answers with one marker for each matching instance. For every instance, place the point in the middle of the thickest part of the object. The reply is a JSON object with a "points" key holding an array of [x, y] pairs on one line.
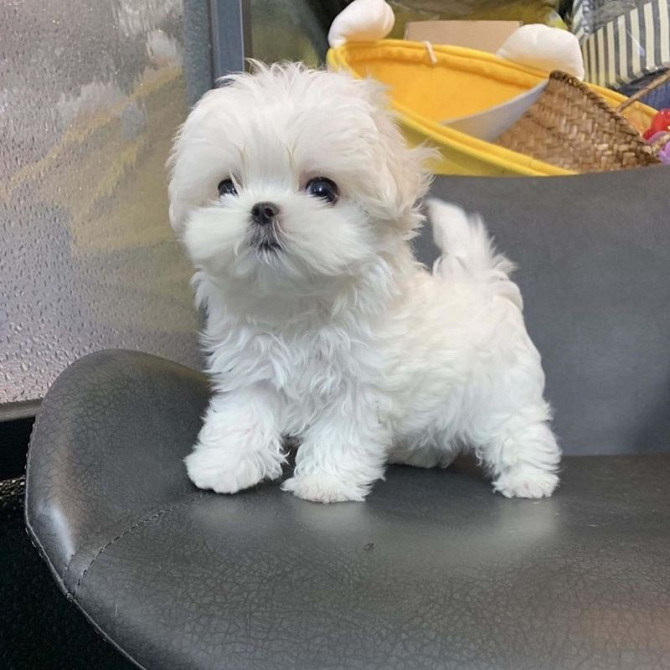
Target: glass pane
{"points": [[90, 96]]}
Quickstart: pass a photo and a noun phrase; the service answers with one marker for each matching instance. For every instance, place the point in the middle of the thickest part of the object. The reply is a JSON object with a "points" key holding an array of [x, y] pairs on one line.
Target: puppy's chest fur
{"points": [[307, 368]]}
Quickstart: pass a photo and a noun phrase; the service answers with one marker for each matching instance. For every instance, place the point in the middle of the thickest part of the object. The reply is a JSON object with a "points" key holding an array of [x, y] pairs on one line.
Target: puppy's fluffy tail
{"points": [[468, 253]]}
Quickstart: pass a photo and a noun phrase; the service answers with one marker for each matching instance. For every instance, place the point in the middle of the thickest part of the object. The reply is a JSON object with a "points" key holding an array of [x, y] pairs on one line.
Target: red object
{"points": [[659, 124]]}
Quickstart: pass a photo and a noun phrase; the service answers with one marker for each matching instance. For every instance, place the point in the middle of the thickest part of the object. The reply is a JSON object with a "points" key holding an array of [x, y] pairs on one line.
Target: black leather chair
{"points": [[434, 570]]}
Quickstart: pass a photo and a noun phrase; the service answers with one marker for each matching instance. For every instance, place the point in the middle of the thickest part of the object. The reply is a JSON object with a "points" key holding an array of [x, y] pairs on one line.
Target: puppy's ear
{"points": [[189, 163], [404, 177], [177, 182]]}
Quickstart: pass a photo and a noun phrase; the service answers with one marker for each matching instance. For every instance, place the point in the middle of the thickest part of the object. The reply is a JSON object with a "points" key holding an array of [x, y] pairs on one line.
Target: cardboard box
{"points": [[481, 35]]}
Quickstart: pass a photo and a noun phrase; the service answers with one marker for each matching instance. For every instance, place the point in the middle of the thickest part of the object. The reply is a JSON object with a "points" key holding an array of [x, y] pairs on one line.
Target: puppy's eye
{"points": [[324, 188], [226, 187]]}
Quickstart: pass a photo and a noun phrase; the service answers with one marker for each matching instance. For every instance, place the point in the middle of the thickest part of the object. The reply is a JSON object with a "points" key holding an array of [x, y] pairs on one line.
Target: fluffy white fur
{"points": [[340, 338]]}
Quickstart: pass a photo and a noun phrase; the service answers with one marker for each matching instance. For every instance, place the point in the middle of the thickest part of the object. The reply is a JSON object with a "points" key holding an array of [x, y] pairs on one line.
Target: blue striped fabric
{"points": [[624, 48]]}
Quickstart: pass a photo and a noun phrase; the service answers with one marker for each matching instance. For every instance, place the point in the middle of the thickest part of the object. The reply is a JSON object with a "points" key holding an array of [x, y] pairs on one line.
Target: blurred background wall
{"points": [[90, 96]]}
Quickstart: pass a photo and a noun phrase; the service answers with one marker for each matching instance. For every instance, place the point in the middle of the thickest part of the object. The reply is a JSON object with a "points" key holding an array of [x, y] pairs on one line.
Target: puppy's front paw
{"points": [[526, 482], [223, 472], [323, 488]]}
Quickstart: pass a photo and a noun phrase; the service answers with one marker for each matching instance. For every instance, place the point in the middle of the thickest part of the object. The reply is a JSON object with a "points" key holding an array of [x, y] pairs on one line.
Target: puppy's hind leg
{"points": [[522, 454]]}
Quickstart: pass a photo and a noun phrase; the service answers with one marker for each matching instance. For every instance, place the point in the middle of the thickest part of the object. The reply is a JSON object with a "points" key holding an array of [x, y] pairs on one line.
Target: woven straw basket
{"points": [[573, 128]]}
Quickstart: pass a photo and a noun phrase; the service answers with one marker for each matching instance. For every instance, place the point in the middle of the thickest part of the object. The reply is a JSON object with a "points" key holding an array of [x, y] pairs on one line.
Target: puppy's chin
{"points": [[309, 248]]}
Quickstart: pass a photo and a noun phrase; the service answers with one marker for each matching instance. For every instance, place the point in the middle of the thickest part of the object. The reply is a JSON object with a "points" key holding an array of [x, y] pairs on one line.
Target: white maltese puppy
{"points": [[295, 196]]}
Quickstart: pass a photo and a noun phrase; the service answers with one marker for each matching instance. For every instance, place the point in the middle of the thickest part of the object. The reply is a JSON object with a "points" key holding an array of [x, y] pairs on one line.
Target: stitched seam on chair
{"points": [[139, 524]]}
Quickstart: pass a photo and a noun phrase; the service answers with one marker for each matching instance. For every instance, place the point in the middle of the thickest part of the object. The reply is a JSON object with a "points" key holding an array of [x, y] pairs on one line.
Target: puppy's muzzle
{"points": [[264, 213]]}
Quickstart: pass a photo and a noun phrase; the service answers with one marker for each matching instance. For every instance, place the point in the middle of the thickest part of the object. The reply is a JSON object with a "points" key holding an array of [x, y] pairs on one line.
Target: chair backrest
{"points": [[594, 268]]}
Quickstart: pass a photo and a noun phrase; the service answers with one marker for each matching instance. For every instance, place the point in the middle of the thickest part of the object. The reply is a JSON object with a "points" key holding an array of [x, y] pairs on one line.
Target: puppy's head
{"points": [[287, 175]]}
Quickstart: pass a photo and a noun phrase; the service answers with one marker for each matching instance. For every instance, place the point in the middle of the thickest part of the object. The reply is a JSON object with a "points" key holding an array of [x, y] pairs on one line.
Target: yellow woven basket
{"points": [[430, 85]]}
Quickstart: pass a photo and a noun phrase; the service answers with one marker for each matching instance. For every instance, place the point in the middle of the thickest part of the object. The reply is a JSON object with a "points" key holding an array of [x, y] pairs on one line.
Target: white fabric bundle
{"points": [[544, 48], [361, 21]]}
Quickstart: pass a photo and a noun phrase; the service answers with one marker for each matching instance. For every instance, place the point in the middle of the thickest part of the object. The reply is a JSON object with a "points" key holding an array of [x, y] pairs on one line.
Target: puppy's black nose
{"points": [[264, 212]]}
